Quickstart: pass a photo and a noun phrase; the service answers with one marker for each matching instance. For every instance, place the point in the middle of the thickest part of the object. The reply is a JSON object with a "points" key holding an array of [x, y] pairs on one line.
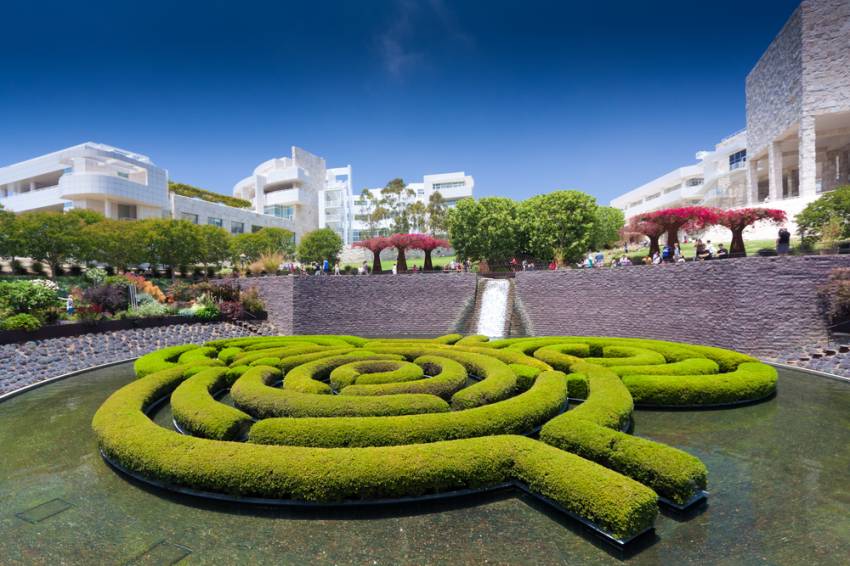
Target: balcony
{"points": [[291, 175], [286, 197]]}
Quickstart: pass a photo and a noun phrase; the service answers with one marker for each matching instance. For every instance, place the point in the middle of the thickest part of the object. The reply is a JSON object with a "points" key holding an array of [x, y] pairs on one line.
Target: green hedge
{"points": [[160, 359], [519, 414], [448, 377], [185, 190], [198, 413], [616, 503], [374, 372], [252, 394], [750, 382]]}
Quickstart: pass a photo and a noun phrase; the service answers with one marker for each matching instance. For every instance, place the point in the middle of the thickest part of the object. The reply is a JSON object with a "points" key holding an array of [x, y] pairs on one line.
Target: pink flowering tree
{"points": [[375, 245], [687, 218], [428, 244], [740, 219], [402, 242], [651, 230]]}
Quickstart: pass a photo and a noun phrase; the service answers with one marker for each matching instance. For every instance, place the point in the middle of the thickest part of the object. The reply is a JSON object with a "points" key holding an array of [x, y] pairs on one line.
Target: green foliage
{"points": [[9, 234], [486, 229], [832, 207], [607, 224], [558, 225], [209, 196], [319, 245], [214, 248], [198, 413], [27, 297], [749, 382], [52, 237], [172, 243], [21, 321], [159, 360]]}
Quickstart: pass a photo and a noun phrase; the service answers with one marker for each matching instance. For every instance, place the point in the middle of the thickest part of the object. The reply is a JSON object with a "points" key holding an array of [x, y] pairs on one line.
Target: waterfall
{"points": [[493, 308]]}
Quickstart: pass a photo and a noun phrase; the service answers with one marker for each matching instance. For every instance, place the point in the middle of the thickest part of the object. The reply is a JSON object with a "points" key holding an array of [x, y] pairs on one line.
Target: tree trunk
{"points": [[376, 263], [737, 249], [653, 245], [401, 261], [672, 236], [54, 267], [428, 266]]}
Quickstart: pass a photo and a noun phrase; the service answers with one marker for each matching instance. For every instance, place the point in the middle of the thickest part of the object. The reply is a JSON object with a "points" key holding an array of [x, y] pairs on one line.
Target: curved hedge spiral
{"points": [[333, 419]]}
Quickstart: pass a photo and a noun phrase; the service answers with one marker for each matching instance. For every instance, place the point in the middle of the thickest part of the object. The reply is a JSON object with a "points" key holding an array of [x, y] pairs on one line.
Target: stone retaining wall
{"points": [[385, 305], [762, 306]]}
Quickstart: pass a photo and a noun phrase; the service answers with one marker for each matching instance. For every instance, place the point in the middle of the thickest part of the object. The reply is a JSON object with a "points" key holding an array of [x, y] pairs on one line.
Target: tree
{"points": [[558, 225], [395, 196], [116, 242], [485, 229], [51, 237], [214, 245], [738, 220], [651, 230], [319, 245], [816, 215], [428, 244], [402, 242], [375, 211], [247, 247], [689, 218], [607, 225], [172, 243], [9, 237], [276, 241], [418, 213], [375, 245], [437, 211]]}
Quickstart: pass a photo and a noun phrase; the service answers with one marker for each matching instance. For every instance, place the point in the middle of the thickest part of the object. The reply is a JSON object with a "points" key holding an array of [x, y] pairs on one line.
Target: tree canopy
{"points": [[559, 225], [485, 229], [830, 208], [319, 245]]}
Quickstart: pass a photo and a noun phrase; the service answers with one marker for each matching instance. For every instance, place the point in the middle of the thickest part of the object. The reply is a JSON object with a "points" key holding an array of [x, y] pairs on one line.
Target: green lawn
{"points": [[387, 264]]}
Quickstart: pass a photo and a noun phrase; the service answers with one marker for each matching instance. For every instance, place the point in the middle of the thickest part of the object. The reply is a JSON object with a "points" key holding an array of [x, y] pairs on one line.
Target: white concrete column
{"points": [[752, 182], [32, 185], [808, 157], [107, 208], [774, 158]]}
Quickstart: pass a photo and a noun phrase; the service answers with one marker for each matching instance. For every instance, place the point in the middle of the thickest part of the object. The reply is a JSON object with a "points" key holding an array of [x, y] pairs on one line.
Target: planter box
{"points": [[80, 328]]}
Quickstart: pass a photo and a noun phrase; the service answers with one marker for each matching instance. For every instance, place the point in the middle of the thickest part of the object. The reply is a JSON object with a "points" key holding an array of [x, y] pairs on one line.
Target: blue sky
{"points": [[527, 97]]}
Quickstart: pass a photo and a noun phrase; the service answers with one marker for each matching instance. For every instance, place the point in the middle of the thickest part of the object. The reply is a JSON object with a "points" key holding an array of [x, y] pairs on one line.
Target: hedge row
{"points": [[592, 430], [253, 394], [374, 372], [198, 413], [448, 377], [617, 504], [519, 414]]}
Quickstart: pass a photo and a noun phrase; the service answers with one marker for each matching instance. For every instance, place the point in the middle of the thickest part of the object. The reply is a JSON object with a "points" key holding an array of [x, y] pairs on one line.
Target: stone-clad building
{"points": [[797, 142]]}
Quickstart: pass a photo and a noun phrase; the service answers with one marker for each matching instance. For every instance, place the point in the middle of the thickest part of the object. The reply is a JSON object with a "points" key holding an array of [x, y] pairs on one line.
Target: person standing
{"points": [[783, 242], [677, 252], [336, 268]]}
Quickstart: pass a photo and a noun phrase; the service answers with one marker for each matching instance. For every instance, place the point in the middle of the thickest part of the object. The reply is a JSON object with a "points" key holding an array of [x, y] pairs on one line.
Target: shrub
{"points": [[111, 298], [96, 276], [208, 313], [198, 413], [231, 310], [37, 267], [148, 310], [27, 296], [21, 322]]}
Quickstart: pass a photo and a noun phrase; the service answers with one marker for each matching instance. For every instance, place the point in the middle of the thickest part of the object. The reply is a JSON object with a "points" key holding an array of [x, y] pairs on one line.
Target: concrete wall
{"points": [[826, 56], [386, 305], [762, 306]]}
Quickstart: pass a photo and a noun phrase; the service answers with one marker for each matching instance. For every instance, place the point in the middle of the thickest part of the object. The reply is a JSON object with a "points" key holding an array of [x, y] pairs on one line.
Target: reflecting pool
{"points": [[779, 478]]}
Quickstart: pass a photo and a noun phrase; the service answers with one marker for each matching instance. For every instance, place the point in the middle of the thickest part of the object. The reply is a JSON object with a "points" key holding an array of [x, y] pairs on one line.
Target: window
{"points": [[342, 178], [237, 227], [127, 212], [420, 192], [737, 160], [123, 175], [215, 221], [280, 211], [449, 185], [255, 228], [695, 182], [650, 197], [189, 217]]}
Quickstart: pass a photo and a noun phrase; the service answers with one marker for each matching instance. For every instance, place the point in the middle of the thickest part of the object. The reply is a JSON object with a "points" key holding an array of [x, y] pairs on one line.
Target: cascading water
{"points": [[493, 312]]}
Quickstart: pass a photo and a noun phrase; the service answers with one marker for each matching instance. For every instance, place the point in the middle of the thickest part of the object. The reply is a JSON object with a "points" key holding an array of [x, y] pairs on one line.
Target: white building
{"points": [[117, 183], [451, 186], [797, 142]]}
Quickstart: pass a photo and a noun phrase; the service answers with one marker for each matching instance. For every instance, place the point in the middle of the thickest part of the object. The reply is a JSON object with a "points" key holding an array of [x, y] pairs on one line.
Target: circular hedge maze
{"points": [[346, 420]]}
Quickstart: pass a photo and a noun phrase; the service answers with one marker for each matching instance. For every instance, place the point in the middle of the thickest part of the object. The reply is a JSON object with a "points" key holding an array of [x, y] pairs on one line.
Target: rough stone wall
{"points": [[385, 305], [775, 87], [762, 306], [826, 56]]}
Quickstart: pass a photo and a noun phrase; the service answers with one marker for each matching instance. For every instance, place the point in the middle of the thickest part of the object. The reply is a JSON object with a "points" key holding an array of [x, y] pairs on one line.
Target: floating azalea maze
{"points": [[343, 420]]}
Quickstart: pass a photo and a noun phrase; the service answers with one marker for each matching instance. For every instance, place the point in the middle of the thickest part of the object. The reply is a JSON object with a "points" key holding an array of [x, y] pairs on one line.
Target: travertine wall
{"points": [[763, 306], [385, 305], [826, 56], [775, 87]]}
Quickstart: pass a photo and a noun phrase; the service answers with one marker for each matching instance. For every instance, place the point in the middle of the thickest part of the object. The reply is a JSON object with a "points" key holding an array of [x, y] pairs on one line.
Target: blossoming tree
{"points": [[740, 219], [375, 245], [651, 230], [687, 218], [428, 244]]}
